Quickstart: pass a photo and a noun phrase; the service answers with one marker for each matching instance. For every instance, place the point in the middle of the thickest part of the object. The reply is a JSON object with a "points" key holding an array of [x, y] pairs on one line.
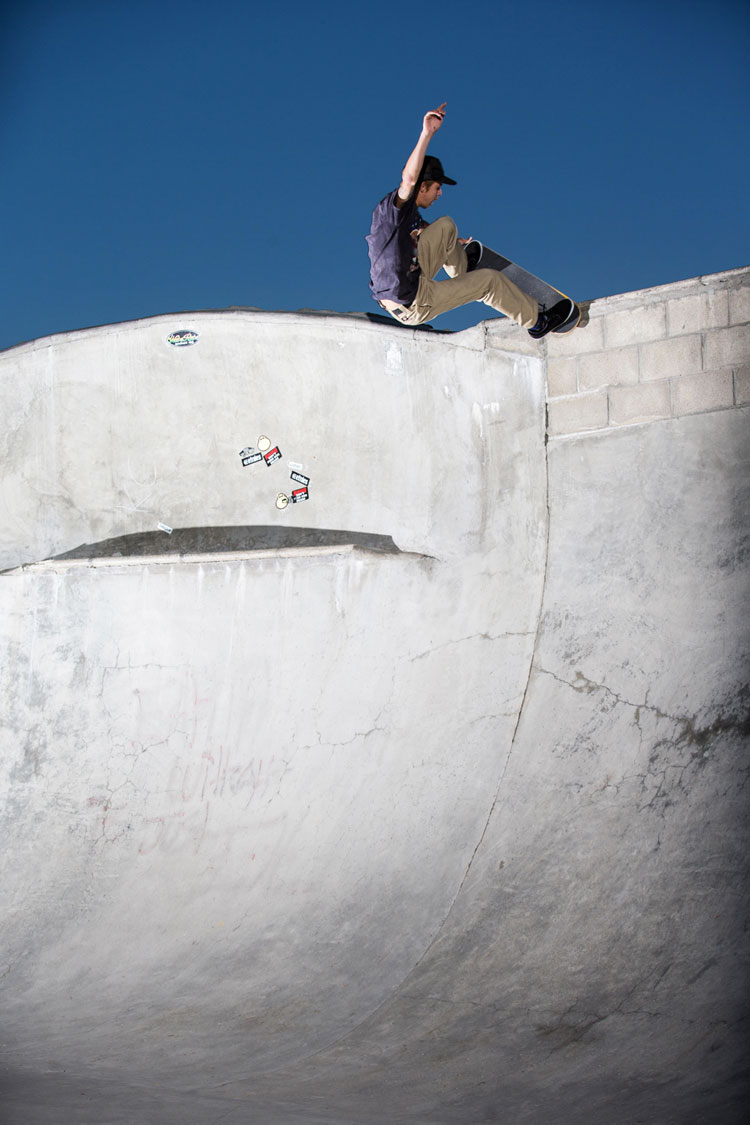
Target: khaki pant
{"points": [[438, 247]]}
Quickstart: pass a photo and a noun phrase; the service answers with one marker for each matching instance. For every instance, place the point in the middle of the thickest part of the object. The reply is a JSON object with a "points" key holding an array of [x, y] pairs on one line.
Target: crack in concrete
{"points": [[464, 640], [671, 759], [573, 1032], [363, 734], [536, 633], [690, 733], [583, 685]]}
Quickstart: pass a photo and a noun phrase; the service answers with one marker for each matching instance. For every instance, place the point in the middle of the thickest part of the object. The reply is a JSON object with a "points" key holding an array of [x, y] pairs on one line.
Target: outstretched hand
{"points": [[434, 119]]}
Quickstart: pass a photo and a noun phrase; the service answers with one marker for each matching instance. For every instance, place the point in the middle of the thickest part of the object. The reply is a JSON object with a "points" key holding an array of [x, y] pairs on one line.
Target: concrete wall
{"points": [[112, 431], [326, 834]]}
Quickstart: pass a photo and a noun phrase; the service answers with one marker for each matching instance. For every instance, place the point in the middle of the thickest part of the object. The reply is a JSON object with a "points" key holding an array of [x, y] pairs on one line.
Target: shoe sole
{"points": [[568, 325]]}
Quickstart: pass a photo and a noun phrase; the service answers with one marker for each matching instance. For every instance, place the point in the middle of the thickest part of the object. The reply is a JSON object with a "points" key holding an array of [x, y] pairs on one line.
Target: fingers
{"points": [[439, 113]]}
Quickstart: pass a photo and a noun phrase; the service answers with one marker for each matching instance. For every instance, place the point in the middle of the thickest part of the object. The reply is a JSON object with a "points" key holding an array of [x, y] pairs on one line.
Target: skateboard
{"points": [[543, 293]]}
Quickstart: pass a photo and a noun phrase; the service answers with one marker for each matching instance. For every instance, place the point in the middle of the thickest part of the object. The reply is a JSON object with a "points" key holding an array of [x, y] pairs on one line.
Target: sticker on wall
{"points": [[251, 459], [264, 450], [183, 338], [164, 527]]}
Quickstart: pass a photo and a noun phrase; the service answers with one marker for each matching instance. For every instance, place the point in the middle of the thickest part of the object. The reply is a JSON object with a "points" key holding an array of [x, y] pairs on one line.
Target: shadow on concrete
{"points": [[205, 540]]}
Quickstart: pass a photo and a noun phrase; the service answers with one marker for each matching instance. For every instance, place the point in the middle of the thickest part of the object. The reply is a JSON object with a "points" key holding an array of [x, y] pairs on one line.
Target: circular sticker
{"points": [[282, 500], [264, 443], [182, 338]]}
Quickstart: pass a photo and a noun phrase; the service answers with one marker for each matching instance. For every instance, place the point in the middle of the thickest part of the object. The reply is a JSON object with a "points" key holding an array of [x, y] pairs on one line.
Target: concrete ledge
{"points": [[586, 338], [504, 334], [649, 323], [701, 310], [62, 565]]}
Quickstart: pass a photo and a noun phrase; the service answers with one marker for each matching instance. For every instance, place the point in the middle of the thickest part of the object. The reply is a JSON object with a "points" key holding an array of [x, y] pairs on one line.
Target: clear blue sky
{"points": [[169, 155]]}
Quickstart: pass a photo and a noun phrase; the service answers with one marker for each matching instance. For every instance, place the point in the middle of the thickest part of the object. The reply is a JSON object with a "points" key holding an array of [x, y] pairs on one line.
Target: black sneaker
{"points": [[552, 319]]}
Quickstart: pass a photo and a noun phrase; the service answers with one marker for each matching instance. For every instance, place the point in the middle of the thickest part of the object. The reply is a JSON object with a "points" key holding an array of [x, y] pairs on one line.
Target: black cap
{"points": [[432, 169]]}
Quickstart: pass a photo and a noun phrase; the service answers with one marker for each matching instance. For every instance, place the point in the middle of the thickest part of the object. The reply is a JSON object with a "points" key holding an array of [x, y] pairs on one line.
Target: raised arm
{"points": [[410, 174]]}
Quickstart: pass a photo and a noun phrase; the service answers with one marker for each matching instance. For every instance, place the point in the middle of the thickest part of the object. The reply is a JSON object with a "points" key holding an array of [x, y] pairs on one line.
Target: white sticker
{"points": [[394, 360], [163, 527], [295, 465]]}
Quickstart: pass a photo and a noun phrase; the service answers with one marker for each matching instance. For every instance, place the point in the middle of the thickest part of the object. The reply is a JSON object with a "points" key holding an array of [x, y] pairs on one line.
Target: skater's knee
{"points": [[444, 223], [490, 280]]}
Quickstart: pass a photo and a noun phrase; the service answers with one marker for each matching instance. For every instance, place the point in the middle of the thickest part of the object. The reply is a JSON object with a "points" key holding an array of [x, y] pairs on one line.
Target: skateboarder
{"points": [[406, 252]]}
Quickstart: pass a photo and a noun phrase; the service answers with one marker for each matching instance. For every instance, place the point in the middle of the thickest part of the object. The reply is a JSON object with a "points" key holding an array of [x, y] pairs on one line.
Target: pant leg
{"points": [[492, 288], [438, 247]]}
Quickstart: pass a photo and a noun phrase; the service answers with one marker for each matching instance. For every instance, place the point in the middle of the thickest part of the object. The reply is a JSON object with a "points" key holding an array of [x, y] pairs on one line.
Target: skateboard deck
{"points": [[543, 293]]}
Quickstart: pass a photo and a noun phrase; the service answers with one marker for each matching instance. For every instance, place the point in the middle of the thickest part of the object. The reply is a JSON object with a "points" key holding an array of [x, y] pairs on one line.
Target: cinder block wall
{"points": [[659, 353]]}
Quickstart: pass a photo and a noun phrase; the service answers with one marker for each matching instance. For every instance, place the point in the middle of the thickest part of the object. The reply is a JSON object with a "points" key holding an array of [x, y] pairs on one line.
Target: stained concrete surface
{"points": [[296, 829], [191, 541]]}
